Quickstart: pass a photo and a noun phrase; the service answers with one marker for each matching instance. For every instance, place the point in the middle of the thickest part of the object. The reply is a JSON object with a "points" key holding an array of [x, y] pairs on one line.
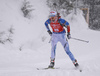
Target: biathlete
{"points": [[58, 34]]}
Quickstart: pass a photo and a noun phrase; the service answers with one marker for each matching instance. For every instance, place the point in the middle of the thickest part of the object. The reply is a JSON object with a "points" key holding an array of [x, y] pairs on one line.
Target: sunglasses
{"points": [[52, 15]]}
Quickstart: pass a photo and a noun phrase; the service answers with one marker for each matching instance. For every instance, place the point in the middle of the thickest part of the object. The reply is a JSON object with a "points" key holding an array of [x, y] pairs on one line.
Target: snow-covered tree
{"points": [[63, 6], [6, 36], [27, 8]]}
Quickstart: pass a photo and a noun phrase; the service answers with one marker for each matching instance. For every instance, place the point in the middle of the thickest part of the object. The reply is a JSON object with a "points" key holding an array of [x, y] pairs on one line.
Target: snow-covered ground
{"points": [[35, 53]]}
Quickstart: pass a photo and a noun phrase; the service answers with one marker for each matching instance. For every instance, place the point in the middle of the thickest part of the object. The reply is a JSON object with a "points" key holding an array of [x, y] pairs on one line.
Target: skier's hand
{"points": [[50, 33], [68, 35]]}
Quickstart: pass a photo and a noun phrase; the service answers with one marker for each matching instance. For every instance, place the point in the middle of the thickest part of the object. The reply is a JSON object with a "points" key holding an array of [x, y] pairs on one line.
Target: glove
{"points": [[68, 35], [50, 33]]}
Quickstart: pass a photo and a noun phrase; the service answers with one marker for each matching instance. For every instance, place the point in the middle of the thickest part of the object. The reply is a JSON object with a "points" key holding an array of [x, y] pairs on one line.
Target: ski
{"points": [[47, 68], [76, 68]]}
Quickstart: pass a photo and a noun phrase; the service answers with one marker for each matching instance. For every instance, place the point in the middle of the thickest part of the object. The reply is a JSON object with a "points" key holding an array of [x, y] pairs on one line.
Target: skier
{"points": [[57, 24]]}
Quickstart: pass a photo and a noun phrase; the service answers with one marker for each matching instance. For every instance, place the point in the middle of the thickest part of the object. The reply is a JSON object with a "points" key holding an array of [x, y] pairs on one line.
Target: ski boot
{"points": [[75, 63], [52, 63]]}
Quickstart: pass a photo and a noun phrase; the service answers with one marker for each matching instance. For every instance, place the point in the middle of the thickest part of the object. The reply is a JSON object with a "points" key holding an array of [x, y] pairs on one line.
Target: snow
{"points": [[34, 53]]}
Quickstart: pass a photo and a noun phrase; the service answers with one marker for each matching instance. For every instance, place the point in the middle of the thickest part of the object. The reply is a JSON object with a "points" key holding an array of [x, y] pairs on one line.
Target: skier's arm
{"points": [[47, 27], [68, 32], [68, 29], [66, 24], [46, 24]]}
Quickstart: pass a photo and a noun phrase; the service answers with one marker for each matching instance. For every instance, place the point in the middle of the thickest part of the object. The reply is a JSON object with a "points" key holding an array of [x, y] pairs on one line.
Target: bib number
{"points": [[56, 30]]}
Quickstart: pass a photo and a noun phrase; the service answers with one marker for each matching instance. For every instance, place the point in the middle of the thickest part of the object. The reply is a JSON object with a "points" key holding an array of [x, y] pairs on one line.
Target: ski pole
{"points": [[80, 40], [50, 40]]}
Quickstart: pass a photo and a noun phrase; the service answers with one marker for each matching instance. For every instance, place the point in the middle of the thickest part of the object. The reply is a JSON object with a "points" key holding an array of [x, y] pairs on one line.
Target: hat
{"points": [[53, 13]]}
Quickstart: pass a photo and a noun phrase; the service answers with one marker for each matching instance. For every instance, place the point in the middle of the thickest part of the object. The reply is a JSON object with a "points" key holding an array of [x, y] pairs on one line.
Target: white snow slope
{"points": [[35, 53]]}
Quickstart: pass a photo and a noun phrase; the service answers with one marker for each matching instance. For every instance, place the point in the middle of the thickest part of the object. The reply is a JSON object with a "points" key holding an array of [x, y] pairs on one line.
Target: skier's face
{"points": [[54, 18]]}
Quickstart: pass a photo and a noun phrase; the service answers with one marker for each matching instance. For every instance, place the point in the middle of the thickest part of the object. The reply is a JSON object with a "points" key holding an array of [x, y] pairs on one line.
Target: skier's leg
{"points": [[53, 49], [53, 46], [67, 50], [65, 44], [71, 55]]}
